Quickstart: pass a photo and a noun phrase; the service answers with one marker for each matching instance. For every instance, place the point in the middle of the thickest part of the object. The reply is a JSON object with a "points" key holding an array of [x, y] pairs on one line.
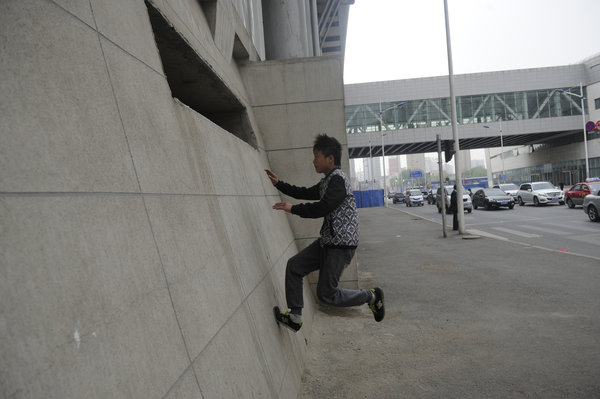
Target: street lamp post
{"points": [[587, 164], [501, 149], [457, 161], [382, 145]]}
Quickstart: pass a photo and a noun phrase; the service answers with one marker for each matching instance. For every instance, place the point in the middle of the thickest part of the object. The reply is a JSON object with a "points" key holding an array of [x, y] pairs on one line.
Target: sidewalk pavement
{"points": [[465, 318]]}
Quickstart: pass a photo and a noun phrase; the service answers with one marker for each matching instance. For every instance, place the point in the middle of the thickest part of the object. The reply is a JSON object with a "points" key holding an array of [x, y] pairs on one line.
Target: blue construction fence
{"points": [[368, 198]]}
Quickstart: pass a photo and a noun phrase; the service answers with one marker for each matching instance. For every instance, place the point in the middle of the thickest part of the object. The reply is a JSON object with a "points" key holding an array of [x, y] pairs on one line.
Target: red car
{"points": [[576, 194]]}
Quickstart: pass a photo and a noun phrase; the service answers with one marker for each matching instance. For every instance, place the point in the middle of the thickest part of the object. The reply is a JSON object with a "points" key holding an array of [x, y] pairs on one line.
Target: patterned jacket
{"points": [[335, 204]]}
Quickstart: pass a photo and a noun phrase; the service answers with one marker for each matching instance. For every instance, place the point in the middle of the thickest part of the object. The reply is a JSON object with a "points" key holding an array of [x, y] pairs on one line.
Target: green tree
{"points": [[478, 171]]}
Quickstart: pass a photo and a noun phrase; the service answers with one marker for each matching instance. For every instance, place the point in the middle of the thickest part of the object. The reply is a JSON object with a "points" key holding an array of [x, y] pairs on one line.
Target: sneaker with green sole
{"points": [[378, 307], [284, 318]]}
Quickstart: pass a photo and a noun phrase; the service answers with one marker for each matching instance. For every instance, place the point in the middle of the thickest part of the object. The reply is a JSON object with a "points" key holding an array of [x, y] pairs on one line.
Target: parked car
{"points": [[467, 204], [509, 188], [591, 205], [398, 198], [538, 193], [575, 195], [413, 197], [492, 198]]}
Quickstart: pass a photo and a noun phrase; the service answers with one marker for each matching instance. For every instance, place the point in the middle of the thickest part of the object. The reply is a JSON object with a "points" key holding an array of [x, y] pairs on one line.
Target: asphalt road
{"points": [[465, 318], [554, 227]]}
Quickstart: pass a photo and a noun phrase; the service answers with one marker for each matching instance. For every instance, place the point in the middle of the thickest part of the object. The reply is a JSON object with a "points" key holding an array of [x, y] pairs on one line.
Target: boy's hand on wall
{"points": [[283, 206], [272, 176]]}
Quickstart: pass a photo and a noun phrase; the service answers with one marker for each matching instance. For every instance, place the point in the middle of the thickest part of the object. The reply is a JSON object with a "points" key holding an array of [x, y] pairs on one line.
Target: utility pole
{"points": [[442, 188], [457, 161]]}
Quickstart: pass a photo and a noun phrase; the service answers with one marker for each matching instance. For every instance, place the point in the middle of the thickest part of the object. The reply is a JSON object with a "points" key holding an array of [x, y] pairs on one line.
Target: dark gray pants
{"points": [[330, 262]]}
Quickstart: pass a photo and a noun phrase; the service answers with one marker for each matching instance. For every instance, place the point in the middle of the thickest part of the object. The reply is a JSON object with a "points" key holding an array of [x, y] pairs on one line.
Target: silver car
{"points": [[414, 197], [591, 206], [541, 192]]}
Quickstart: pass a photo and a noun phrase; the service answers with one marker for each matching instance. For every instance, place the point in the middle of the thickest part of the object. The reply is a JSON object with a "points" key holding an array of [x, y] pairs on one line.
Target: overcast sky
{"points": [[402, 39]]}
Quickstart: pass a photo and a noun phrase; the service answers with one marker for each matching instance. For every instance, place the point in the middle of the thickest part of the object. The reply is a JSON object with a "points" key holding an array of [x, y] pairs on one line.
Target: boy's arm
{"points": [[310, 193], [335, 194]]}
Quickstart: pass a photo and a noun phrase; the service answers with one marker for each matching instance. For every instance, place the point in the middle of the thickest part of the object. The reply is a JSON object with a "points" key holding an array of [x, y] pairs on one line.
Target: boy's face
{"points": [[322, 163]]}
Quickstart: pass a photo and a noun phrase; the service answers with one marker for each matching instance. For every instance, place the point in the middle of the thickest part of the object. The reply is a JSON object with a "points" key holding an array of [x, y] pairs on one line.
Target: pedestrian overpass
{"points": [[496, 120], [474, 136]]}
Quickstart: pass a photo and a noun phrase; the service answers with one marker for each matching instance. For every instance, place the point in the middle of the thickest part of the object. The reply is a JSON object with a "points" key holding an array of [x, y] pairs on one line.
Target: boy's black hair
{"points": [[329, 146]]}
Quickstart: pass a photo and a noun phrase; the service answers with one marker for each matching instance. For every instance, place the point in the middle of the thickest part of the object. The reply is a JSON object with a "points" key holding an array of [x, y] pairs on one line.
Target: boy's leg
{"points": [[298, 266], [336, 259]]}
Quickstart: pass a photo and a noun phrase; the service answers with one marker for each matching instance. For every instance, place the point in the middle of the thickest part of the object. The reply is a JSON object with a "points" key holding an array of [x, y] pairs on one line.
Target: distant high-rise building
{"points": [[415, 162], [394, 165], [465, 159]]}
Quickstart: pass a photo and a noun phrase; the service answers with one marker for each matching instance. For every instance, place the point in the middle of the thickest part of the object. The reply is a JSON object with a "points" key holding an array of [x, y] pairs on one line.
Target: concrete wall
{"points": [[294, 101], [139, 254], [287, 37]]}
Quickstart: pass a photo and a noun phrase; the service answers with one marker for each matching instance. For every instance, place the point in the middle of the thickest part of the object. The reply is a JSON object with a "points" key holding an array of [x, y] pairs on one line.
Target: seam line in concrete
{"points": [[156, 247], [298, 102], [125, 194], [95, 29], [241, 304]]}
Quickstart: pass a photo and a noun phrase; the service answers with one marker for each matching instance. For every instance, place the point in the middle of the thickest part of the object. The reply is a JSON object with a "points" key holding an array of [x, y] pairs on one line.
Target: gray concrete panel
{"points": [[80, 8], [109, 292], [296, 125], [263, 81], [185, 387], [275, 341], [274, 228], [85, 308], [230, 175], [187, 18], [273, 121], [292, 81], [224, 30], [198, 262], [61, 129], [291, 385], [282, 25], [248, 246], [128, 26], [189, 21], [166, 157], [233, 365], [324, 78]]}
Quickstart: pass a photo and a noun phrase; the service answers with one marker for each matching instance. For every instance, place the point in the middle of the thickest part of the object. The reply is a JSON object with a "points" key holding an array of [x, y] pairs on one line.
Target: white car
{"points": [[538, 193], [414, 197]]}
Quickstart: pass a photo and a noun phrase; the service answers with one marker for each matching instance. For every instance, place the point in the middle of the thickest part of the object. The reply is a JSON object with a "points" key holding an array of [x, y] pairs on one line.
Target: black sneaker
{"points": [[378, 308], [284, 318]]}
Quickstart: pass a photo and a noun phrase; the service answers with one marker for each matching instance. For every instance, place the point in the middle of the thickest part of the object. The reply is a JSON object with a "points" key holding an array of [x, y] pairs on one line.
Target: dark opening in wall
{"points": [[195, 83], [209, 7]]}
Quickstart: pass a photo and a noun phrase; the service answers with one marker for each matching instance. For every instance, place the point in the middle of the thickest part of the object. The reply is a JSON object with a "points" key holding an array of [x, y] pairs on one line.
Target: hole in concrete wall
{"points": [[195, 83], [239, 50], [209, 7]]}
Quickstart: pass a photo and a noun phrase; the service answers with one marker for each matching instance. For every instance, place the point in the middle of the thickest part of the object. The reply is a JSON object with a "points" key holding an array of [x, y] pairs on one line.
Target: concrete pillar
{"points": [[287, 29]]}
